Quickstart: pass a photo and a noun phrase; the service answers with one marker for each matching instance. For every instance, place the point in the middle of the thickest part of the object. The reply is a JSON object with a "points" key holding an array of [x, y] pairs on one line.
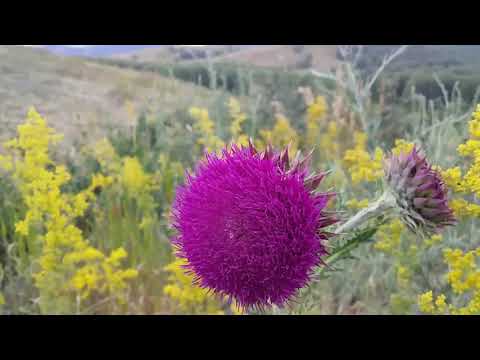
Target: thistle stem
{"points": [[385, 203], [337, 256], [346, 249]]}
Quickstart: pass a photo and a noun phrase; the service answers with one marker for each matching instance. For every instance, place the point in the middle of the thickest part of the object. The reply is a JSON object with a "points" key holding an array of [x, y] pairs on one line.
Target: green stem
{"points": [[342, 252], [346, 249], [385, 203], [338, 255]]}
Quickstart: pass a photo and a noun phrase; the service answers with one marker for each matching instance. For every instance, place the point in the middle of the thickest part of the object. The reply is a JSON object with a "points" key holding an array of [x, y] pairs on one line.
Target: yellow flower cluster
{"points": [[329, 143], [129, 178], [462, 275], [428, 306], [392, 239], [205, 129], [362, 166], [452, 178], [468, 184], [464, 278], [356, 204], [434, 240], [315, 113], [128, 171], [2, 298], [167, 174], [104, 152], [238, 118], [402, 146], [389, 237], [133, 177], [100, 273], [463, 208], [34, 141], [403, 276], [68, 265], [317, 109], [191, 298], [280, 136]]}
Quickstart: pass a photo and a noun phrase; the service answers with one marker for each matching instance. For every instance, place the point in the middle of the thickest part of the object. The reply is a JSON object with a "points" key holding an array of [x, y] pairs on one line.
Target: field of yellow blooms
{"points": [[92, 234]]}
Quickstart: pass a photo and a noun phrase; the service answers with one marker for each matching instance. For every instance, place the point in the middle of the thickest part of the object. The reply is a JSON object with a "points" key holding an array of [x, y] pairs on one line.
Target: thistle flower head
{"points": [[251, 226], [419, 192]]}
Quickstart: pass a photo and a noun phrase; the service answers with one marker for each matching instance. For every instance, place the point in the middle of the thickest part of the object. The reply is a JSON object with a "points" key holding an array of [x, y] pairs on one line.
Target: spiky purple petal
{"points": [[250, 225], [420, 192]]}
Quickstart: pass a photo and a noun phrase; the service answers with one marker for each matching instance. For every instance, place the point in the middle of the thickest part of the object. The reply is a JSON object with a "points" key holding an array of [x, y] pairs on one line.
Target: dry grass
{"points": [[73, 93], [280, 56], [283, 56], [156, 55]]}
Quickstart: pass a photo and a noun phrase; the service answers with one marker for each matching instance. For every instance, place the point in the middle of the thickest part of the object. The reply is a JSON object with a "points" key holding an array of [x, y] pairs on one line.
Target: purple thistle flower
{"points": [[419, 192], [250, 225]]}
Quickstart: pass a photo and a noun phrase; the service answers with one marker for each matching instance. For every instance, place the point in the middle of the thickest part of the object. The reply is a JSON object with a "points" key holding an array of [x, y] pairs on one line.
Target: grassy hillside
{"points": [[284, 56], [276, 56], [425, 55], [324, 56], [91, 232], [161, 55], [457, 66], [76, 95], [174, 53]]}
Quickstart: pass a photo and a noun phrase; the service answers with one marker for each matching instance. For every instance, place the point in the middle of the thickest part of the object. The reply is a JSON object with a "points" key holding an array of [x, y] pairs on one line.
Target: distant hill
{"points": [[320, 57], [280, 55], [323, 57], [179, 53], [455, 65], [98, 50], [424, 55], [79, 97], [142, 52]]}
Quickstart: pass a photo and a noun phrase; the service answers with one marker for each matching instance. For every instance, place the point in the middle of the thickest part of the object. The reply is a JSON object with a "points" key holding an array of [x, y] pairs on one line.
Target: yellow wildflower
{"points": [[68, 266], [317, 109], [464, 278], [329, 146], [315, 112], [190, 298], [403, 275], [434, 240], [362, 167], [402, 146], [133, 177], [107, 157], [441, 304], [280, 136], [452, 178], [474, 125], [425, 302], [6, 162], [238, 118], [205, 129], [470, 183], [355, 204], [389, 237]]}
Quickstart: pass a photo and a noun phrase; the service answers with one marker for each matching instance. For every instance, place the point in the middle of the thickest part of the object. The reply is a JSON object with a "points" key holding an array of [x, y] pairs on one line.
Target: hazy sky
{"points": [[82, 46], [79, 46]]}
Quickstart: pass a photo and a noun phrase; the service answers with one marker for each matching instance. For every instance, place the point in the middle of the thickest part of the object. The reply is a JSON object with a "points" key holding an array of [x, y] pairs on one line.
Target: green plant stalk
{"points": [[384, 204], [346, 249]]}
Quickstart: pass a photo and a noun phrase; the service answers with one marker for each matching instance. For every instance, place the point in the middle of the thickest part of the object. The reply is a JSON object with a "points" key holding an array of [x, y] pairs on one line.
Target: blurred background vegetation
{"points": [[134, 122]]}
